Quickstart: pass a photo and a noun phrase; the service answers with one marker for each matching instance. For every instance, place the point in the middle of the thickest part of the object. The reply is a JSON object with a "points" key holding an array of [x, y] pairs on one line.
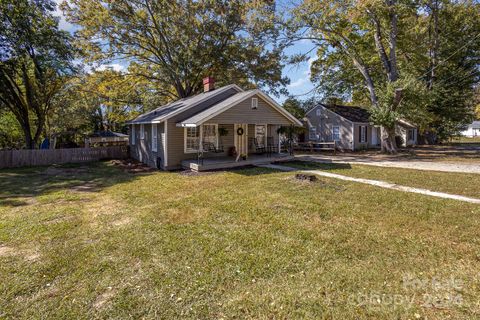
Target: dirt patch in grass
{"points": [[86, 187], [132, 166], [122, 222], [28, 255], [322, 183], [102, 299]]}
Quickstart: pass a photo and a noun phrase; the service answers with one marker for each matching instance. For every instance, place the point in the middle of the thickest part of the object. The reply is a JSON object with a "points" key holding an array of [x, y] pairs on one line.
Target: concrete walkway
{"points": [[406, 164], [377, 183]]}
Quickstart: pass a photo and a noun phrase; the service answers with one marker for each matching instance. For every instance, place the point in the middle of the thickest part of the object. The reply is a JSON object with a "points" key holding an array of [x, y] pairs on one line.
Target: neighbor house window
{"points": [[319, 112], [363, 134], [142, 131], [336, 133], [154, 137], [411, 135], [192, 137], [312, 133], [210, 134], [254, 103], [133, 134]]}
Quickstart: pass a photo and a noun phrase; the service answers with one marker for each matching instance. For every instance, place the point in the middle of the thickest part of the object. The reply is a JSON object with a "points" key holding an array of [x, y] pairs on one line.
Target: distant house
{"points": [[106, 137], [214, 129], [350, 128], [473, 130]]}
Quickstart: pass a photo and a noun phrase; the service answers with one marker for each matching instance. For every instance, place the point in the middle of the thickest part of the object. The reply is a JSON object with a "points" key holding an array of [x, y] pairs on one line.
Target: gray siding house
{"points": [[350, 128], [215, 124]]}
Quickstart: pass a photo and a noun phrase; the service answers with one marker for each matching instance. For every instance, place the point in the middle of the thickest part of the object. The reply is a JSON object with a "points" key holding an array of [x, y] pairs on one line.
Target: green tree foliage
{"points": [[298, 108], [101, 100], [402, 58], [174, 44], [451, 69], [34, 63], [294, 106]]}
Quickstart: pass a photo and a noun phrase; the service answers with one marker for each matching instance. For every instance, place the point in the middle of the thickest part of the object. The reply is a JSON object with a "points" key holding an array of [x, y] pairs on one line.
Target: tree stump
{"points": [[306, 177]]}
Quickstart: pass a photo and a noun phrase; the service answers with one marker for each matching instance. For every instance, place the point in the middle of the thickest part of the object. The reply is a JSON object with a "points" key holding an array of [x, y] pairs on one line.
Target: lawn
{"points": [[97, 242], [449, 182]]}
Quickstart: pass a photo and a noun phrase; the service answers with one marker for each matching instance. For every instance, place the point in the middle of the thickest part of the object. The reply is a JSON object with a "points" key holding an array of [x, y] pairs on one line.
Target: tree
{"points": [[294, 106], [101, 100], [405, 59], [174, 44], [362, 36], [34, 61], [451, 67]]}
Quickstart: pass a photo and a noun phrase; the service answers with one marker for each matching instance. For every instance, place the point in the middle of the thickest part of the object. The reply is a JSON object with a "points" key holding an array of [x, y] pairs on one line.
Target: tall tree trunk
{"points": [[388, 143]]}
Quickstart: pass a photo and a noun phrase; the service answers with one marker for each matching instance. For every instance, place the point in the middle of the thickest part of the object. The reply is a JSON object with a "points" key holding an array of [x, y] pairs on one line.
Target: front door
{"points": [[261, 134], [241, 139]]}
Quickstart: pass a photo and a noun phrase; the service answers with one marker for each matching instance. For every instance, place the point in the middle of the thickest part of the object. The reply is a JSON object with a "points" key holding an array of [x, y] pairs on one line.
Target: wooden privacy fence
{"points": [[36, 157]]}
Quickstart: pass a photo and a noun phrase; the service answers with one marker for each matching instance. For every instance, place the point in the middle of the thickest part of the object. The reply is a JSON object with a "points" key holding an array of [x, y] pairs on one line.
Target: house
{"points": [[106, 137], [473, 130], [350, 128], [214, 129]]}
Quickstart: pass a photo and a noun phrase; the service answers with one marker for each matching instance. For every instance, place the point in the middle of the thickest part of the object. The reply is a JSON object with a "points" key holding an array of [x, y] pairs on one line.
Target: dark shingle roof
{"points": [[354, 114], [108, 134], [181, 105]]}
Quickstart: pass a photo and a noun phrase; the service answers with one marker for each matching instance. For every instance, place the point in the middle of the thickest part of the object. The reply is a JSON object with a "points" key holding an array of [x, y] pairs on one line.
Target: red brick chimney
{"points": [[208, 84]]}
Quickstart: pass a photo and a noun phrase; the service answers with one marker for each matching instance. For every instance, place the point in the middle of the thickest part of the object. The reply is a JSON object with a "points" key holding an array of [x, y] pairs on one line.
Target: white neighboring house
{"points": [[473, 130]]}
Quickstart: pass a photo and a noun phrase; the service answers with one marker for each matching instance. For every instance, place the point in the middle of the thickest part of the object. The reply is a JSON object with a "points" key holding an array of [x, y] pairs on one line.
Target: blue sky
{"points": [[300, 85]]}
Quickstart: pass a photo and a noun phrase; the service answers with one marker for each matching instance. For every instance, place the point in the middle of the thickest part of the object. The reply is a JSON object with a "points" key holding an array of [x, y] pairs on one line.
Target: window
{"points": [[133, 134], [363, 134], [154, 137], [336, 133], [312, 133], [209, 134], [411, 135], [254, 103], [192, 138], [319, 112], [142, 131]]}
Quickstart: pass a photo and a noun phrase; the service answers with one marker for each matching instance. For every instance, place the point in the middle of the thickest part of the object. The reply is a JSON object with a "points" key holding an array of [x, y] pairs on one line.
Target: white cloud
{"points": [[298, 83], [62, 23], [114, 66]]}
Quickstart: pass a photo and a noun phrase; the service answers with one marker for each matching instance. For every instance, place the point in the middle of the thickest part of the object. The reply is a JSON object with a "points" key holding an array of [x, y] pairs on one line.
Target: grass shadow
{"points": [[19, 184]]}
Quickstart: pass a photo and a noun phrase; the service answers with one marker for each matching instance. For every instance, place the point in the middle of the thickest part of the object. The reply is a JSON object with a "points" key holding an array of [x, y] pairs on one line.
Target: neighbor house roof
{"points": [[164, 112], [354, 114], [108, 134], [474, 125], [224, 105]]}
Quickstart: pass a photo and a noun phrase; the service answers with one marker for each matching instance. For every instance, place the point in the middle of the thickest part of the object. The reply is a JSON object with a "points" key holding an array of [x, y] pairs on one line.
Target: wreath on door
{"points": [[240, 131]]}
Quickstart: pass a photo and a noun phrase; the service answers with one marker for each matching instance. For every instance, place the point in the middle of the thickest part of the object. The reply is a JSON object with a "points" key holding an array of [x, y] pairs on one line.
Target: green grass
{"points": [[96, 242], [465, 140], [465, 184]]}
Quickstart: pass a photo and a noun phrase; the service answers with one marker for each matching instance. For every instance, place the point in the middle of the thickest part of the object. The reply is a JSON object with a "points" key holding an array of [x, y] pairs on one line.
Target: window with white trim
{"points": [[154, 137], [254, 103], [336, 133], [319, 112], [142, 131], [192, 137], [210, 134], [312, 133], [133, 135], [363, 134]]}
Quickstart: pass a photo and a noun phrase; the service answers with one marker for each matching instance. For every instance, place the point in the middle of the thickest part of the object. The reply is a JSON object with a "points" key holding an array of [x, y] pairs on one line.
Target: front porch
{"points": [[227, 162]]}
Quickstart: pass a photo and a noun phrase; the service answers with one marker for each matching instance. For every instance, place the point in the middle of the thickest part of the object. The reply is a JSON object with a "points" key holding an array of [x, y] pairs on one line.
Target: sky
{"points": [[300, 85]]}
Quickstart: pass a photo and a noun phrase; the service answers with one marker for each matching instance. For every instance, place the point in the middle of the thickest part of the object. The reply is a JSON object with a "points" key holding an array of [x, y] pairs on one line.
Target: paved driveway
{"points": [[448, 159]]}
